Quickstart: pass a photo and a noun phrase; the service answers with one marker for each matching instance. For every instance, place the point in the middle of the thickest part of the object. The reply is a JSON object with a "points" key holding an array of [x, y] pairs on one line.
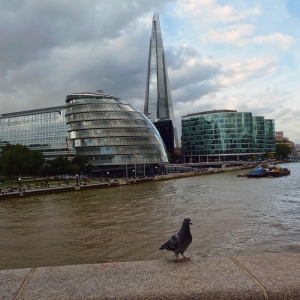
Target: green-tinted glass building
{"points": [[270, 142], [226, 135]]}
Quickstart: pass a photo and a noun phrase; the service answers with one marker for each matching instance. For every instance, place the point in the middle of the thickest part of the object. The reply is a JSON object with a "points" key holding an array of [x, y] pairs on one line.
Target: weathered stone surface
{"points": [[208, 278], [11, 281], [279, 274], [268, 276]]}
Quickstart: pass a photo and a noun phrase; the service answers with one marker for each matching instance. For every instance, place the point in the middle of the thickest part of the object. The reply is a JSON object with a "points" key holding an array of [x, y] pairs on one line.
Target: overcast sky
{"points": [[221, 54]]}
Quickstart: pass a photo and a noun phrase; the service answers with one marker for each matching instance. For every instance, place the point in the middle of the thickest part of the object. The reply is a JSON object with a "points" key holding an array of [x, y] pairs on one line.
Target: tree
{"points": [[80, 165], [15, 160], [282, 150], [60, 165], [37, 160]]}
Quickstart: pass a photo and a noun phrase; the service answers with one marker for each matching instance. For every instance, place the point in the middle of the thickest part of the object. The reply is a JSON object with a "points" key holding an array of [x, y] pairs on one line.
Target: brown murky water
{"points": [[231, 215]]}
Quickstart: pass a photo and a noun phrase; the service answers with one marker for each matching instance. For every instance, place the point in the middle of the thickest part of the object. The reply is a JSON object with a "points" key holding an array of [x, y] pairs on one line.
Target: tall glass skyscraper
{"points": [[158, 100]]}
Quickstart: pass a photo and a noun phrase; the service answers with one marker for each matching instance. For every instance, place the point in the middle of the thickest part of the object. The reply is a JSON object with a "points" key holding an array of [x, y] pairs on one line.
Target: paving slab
{"points": [[278, 274], [206, 278], [11, 281]]}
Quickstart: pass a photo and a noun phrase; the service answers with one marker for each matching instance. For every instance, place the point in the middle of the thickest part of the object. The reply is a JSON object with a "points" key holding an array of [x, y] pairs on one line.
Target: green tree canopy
{"points": [[80, 165], [36, 161], [60, 165], [18, 160], [282, 150]]}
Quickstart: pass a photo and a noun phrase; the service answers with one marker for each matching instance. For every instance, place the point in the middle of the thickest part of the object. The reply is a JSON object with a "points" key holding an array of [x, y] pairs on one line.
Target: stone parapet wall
{"points": [[264, 276]]}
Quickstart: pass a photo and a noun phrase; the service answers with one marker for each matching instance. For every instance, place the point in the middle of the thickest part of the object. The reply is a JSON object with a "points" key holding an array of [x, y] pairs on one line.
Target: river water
{"points": [[231, 216]]}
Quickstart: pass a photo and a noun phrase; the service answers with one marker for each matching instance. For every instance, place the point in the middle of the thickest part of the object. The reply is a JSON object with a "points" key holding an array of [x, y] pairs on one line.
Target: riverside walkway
{"points": [[63, 187], [266, 276]]}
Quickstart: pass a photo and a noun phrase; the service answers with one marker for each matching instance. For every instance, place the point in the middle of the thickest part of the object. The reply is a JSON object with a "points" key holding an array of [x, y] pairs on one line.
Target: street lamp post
{"points": [[135, 157], [77, 178], [107, 175], [155, 170], [19, 181]]}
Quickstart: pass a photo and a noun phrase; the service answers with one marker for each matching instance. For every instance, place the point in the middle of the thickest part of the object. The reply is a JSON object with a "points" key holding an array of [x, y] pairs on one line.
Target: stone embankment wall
{"points": [[266, 276]]}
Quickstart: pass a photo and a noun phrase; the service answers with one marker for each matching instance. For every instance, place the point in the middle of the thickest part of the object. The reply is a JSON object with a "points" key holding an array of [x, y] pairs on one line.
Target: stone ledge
{"points": [[267, 276]]}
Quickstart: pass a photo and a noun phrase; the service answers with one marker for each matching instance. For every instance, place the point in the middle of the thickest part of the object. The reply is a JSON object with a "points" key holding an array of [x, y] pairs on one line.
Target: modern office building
{"points": [[40, 129], [226, 135], [114, 136], [270, 141], [158, 100], [258, 134], [166, 131]]}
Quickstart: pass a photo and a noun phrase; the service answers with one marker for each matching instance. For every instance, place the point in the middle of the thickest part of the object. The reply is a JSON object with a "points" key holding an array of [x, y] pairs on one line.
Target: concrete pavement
{"points": [[264, 276]]}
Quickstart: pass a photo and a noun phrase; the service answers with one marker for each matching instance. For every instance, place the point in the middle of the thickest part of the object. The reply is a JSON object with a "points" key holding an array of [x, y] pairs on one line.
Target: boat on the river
{"points": [[278, 172], [258, 172]]}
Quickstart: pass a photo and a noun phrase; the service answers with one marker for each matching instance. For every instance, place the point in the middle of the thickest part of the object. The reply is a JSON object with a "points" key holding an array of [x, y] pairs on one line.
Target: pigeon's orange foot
{"points": [[185, 258], [177, 260]]}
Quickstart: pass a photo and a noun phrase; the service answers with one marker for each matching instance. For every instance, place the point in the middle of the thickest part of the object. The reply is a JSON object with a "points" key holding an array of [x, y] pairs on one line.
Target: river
{"points": [[231, 216]]}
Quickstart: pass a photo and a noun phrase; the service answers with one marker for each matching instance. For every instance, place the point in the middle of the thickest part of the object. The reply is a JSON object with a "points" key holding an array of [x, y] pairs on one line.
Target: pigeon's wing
{"points": [[172, 244]]}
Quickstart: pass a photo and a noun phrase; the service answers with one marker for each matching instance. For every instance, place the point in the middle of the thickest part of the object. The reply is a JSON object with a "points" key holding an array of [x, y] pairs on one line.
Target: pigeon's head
{"points": [[187, 221]]}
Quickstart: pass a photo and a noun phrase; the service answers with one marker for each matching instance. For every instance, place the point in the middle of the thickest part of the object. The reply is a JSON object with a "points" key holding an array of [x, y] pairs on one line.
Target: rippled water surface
{"points": [[231, 215]]}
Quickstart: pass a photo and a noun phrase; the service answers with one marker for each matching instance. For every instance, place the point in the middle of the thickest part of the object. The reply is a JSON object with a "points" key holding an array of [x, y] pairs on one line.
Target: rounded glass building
{"points": [[116, 138]]}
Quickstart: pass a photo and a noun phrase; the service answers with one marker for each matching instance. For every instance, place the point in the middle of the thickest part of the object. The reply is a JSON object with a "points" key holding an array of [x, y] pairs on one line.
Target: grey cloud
{"points": [[188, 68], [193, 92], [51, 48]]}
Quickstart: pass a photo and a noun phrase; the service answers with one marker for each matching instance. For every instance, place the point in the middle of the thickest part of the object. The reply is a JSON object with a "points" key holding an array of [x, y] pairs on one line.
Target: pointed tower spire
{"points": [[158, 100]]}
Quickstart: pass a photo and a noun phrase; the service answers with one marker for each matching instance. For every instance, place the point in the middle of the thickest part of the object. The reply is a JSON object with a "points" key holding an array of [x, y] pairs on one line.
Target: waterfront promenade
{"points": [[69, 187], [265, 276]]}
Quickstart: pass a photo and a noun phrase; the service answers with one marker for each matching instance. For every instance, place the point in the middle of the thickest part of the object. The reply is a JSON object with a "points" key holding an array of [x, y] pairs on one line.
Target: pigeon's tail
{"points": [[171, 244], [163, 247]]}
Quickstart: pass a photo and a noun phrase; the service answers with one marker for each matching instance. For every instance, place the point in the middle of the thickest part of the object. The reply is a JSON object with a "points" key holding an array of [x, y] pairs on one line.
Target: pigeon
{"points": [[180, 241]]}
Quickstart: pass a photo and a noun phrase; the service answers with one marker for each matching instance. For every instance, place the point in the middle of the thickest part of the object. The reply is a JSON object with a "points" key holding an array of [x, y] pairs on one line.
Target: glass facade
{"points": [[270, 144], [158, 100], [225, 135], [110, 132], [40, 129], [258, 134], [166, 131]]}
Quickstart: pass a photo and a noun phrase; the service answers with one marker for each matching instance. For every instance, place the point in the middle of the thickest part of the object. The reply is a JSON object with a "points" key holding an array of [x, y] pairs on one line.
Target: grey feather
{"points": [[179, 242]]}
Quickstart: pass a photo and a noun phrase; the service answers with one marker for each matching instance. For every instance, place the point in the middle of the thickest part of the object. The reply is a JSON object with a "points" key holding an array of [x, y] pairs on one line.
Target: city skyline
{"points": [[221, 54], [158, 99]]}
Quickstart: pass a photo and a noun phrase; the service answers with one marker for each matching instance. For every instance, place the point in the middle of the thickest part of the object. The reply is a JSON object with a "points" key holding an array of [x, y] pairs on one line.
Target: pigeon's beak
{"points": [[191, 223]]}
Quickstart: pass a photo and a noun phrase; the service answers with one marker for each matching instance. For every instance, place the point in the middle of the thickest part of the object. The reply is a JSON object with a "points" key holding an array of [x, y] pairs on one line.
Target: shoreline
{"points": [[71, 187]]}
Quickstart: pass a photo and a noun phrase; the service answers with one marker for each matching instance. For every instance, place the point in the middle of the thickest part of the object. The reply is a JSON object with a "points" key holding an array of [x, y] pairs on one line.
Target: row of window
{"points": [[88, 99], [104, 116], [117, 150], [107, 124], [97, 108], [125, 159], [114, 141], [218, 152], [50, 115], [114, 132]]}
